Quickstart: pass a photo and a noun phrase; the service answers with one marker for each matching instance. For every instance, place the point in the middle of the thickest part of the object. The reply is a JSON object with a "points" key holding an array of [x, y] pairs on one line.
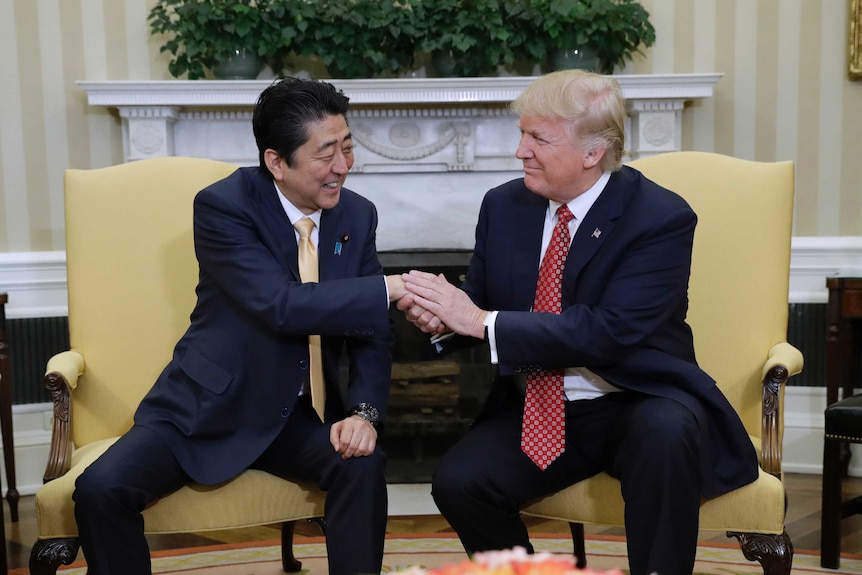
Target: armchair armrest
{"points": [[783, 354], [61, 377], [782, 361]]}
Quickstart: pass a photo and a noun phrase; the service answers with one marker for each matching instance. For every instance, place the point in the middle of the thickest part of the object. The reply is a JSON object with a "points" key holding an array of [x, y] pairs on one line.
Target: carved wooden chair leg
{"points": [[289, 562], [12, 497], [580, 550], [774, 552], [48, 554]]}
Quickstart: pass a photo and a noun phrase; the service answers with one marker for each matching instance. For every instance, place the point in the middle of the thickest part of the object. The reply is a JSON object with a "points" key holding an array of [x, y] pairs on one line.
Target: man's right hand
{"points": [[395, 285], [436, 302]]}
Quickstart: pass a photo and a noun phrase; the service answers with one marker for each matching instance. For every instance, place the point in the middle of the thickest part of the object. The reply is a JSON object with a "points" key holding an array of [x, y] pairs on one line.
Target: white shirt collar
{"points": [[582, 204], [293, 212]]}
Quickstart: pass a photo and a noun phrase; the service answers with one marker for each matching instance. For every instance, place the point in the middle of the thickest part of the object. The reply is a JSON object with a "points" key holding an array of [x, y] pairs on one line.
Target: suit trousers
{"points": [[112, 493], [648, 443]]}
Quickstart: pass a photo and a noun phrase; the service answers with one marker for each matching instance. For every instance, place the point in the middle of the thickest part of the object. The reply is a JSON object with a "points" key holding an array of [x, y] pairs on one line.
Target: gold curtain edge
{"points": [[855, 41]]}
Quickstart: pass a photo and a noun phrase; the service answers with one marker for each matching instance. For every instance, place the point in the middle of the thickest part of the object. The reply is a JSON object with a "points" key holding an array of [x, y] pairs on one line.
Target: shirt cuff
{"points": [[386, 287], [491, 323]]}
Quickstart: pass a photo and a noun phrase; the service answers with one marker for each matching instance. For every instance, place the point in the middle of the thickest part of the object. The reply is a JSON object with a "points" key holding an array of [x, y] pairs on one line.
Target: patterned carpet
{"points": [[438, 550]]}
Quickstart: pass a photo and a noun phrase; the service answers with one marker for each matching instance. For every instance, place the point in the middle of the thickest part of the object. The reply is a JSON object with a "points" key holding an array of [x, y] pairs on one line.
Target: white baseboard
{"points": [[813, 259], [803, 448]]}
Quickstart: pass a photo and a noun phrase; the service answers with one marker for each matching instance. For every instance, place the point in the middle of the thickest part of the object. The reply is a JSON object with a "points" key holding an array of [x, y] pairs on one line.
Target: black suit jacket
{"points": [[236, 372], [625, 300]]}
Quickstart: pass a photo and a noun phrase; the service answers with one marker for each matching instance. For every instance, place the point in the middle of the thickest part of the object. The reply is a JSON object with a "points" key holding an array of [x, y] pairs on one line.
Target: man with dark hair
{"points": [[579, 281], [253, 382]]}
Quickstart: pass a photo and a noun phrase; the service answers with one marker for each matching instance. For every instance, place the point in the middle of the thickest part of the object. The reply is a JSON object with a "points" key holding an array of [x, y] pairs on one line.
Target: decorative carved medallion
{"points": [[147, 139]]}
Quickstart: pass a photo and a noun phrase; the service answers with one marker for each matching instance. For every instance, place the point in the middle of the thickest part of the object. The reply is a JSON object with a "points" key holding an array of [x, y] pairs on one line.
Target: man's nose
{"points": [[523, 150], [340, 164]]}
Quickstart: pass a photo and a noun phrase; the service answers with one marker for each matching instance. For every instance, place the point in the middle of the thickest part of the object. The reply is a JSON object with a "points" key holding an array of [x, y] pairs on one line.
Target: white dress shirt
{"points": [[295, 215], [578, 382]]}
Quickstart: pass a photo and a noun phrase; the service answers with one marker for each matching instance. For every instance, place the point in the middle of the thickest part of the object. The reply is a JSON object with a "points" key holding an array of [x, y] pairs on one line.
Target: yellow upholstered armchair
{"points": [[131, 275], [738, 311]]}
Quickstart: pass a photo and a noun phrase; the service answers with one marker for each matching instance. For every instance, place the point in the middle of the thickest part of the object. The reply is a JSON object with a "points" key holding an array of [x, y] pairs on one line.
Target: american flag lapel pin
{"points": [[596, 233]]}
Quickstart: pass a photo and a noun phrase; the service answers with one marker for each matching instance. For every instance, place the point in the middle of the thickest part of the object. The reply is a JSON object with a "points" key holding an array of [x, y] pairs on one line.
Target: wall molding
{"points": [[36, 281], [813, 259]]}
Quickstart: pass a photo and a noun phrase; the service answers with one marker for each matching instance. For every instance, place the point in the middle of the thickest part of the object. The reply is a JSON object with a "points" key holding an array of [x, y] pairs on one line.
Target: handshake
{"points": [[434, 305]]}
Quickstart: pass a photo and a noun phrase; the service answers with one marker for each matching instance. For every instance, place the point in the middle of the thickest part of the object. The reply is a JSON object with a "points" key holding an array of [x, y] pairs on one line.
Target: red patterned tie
{"points": [[544, 426]]}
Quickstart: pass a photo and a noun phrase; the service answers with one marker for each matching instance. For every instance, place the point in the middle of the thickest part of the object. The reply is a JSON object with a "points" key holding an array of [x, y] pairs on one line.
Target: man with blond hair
{"points": [[579, 282]]}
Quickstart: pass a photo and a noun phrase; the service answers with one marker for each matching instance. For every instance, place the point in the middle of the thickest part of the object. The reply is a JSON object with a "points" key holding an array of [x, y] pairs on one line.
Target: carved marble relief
{"points": [[447, 140]]}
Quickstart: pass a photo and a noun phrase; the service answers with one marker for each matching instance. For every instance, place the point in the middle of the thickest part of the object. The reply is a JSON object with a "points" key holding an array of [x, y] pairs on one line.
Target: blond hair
{"points": [[592, 105]]}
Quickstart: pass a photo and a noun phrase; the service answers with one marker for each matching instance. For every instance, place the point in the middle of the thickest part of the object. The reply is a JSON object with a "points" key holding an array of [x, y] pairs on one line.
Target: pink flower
{"points": [[514, 561]]}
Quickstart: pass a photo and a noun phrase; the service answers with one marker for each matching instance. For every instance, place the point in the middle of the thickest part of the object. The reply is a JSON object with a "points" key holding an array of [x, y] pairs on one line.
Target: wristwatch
{"points": [[367, 412]]}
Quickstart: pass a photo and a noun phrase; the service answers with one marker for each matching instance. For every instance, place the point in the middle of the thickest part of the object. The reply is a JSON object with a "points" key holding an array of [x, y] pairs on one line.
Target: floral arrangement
{"points": [[511, 562]]}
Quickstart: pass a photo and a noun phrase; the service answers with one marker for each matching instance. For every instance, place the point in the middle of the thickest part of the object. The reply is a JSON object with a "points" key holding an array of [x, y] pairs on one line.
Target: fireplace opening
{"points": [[433, 398]]}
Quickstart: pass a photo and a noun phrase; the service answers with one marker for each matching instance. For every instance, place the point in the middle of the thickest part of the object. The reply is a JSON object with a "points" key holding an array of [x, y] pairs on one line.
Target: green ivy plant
{"points": [[472, 32], [367, 38], [614, 29], [358, 38], [200, 33]]}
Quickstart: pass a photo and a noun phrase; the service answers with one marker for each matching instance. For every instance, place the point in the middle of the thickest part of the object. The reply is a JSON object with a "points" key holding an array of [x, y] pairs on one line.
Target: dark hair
{"points": [[284, 111]]}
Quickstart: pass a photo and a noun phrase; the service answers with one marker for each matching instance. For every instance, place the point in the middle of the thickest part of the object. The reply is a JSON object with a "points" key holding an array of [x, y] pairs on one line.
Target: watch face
{"points": [[371, 413], [367, 412]]}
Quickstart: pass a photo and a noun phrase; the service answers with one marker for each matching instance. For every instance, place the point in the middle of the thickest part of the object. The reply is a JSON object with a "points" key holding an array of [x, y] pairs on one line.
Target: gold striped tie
{"points": [[308, 273]]}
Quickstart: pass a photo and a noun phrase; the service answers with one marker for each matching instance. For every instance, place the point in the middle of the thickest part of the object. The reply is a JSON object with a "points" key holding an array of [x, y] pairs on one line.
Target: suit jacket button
{"points": [[303, 364], [285, 411]]}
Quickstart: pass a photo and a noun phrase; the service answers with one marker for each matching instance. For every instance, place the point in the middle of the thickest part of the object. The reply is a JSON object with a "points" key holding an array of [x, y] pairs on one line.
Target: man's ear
{"points": [[275, 164], [593, 156]]}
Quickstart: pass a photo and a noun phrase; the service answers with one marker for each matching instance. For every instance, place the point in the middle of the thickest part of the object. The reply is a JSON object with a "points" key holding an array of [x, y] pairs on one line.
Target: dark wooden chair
{"points": [[843, 426]]}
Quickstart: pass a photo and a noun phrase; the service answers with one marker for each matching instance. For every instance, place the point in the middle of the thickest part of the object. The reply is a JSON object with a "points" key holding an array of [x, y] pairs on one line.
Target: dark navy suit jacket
{"points": [[236, 372], [625, 300]]}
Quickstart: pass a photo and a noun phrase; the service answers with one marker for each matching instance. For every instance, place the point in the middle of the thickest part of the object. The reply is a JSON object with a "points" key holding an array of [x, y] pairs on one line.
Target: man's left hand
{"points": [[353, 437]]}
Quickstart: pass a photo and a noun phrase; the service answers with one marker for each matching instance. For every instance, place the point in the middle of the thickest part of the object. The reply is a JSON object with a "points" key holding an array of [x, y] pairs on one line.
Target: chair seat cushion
{"points": [[754, 508], [252, 498], [844, 419]]}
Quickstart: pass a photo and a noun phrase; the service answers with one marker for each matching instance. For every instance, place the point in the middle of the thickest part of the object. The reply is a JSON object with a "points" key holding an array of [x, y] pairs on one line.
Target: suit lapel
{"points": [[596, 228], [331, 232], [275, 222]]}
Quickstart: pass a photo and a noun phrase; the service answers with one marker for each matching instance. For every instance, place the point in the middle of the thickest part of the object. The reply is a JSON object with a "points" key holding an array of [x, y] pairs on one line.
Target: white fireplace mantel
{"points": [[243, 93], [421, 144], [152, 110]]}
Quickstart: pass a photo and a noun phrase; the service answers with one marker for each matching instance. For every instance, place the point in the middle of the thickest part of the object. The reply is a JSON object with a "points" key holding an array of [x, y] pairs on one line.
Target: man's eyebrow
{"points": [[331, 143]]}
